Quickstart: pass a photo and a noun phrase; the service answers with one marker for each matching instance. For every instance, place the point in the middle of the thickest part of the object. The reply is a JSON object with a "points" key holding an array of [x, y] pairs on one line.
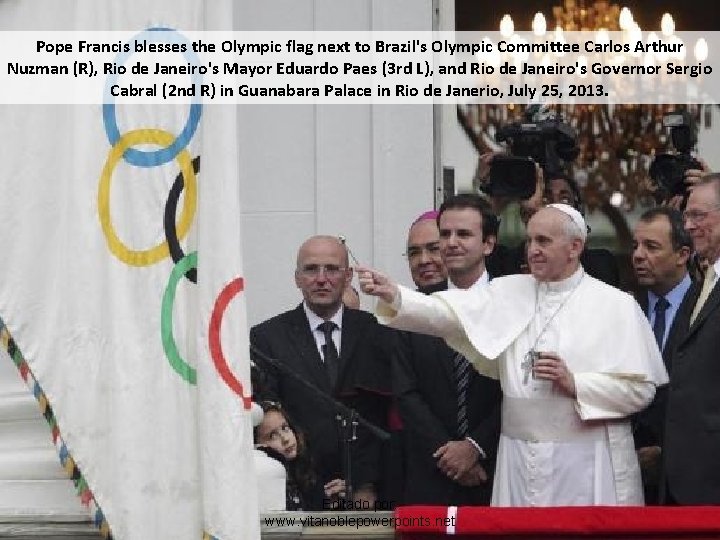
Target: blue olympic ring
{"points": [[153, 158]]}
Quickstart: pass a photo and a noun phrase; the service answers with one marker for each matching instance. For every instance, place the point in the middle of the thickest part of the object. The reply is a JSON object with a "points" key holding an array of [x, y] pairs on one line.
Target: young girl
{"points": [[280, 440]]}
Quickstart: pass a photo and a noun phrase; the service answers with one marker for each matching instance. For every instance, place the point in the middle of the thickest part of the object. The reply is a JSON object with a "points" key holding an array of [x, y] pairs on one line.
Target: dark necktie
{"points": [[330, 353], [659, 325], [462, 379]]}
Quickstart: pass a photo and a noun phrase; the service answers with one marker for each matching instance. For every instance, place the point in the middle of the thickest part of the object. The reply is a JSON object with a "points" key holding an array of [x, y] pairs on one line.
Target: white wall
{"points": [[360, 171]]}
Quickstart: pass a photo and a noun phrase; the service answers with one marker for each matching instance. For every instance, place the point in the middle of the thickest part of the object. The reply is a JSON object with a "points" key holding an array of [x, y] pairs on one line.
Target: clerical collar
{"points": [[483, 280], [564, 285]]}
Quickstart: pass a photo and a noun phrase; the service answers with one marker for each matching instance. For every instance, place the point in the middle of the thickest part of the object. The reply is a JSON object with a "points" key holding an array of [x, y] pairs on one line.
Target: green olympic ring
{"points": [[185, 371]]}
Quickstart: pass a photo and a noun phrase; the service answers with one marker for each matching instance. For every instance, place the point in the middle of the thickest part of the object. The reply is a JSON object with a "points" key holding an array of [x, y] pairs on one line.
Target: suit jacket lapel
{"points": [[446, 356], [352, 328], [438, 350], [680, 323], [712, 303], [642, 299], [306, 347]]}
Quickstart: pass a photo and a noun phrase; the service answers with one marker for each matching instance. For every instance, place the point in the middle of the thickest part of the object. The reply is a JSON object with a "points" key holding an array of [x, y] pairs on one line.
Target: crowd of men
{"points": [[512, 376]]}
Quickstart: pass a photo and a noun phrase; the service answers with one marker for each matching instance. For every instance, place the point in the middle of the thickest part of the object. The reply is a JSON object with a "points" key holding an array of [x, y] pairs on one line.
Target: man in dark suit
{"points": [[342, 351], [450, 413], [428, 272], [662, 249], [692, 429]]}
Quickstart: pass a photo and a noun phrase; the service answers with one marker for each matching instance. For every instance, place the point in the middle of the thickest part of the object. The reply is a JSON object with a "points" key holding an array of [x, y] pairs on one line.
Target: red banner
{"points": [[425, 522]]}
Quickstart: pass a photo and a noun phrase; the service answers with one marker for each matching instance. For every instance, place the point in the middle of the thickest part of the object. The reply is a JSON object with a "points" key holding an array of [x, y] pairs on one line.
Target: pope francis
{"points": [[575, 358]]}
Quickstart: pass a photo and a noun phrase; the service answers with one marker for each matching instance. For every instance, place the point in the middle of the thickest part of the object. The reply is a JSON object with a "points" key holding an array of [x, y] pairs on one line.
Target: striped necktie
{"points": [[462, 379]]}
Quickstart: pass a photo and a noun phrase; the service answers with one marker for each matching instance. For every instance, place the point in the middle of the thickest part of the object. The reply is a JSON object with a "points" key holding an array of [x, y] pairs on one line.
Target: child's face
{"points": [[277, 434]]}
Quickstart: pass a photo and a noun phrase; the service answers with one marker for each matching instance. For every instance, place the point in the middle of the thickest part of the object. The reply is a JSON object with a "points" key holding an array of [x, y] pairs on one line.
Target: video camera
{"points": [[668, 170], [542, 138]]}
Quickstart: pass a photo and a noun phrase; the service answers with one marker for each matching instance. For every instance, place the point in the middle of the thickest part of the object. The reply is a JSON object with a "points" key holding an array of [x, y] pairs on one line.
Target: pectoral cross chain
{"points": [[532, 355], [528, 364]]}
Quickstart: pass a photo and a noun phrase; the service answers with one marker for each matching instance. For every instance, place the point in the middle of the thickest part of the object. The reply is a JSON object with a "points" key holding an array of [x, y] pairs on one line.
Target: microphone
{"points": [[339, 406]]}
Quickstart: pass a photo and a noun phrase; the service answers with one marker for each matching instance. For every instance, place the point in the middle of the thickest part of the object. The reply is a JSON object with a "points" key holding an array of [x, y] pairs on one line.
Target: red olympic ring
{"points": [[231, 290]]}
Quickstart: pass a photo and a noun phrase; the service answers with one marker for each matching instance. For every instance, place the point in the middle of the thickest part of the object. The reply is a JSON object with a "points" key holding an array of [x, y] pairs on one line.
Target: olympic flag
{"points": [[121, 290]]}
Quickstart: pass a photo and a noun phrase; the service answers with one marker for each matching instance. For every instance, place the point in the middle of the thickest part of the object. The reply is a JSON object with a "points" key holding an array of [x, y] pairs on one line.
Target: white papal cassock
{"points": [[554, 450]]}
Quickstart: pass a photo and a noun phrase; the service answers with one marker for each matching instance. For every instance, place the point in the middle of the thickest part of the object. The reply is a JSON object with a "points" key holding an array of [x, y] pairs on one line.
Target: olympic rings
{"points": [[172, 147], [160, 251], [230, 290], [176, 251], [141, 158], [185, 371]]}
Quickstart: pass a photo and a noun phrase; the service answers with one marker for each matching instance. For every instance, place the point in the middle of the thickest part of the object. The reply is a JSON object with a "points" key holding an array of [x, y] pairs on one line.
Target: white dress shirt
{"points": [[315, 320]]}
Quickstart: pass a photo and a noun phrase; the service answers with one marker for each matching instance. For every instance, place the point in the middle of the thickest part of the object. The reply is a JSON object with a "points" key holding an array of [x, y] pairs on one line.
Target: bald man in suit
{"points": [[342, 351]]}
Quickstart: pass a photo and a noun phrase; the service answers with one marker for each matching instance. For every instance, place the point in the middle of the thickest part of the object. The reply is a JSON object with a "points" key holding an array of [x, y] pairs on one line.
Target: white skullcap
{"points": [[574, 215]]}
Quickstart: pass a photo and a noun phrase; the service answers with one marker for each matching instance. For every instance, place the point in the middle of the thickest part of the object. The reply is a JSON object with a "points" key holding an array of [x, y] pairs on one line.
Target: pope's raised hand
{"points": [[377, 284]]}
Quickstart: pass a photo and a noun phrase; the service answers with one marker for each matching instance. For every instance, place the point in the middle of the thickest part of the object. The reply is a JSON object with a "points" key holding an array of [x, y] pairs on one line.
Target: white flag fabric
{"points": [[121, 291]]}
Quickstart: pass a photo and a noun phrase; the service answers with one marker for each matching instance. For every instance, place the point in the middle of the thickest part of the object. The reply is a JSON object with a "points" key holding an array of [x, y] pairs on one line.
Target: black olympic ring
{"points": [[176, 251]]}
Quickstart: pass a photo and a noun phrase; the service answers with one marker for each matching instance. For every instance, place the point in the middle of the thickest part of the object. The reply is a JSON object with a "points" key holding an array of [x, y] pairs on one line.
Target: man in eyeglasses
{"points": [[423, 252], [342, 351], [429, 274], [450, 413], [692, 428]]}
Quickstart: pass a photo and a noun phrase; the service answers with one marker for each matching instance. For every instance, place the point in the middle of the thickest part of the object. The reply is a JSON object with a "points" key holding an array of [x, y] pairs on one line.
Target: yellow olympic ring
{"points": [[150, 256]]}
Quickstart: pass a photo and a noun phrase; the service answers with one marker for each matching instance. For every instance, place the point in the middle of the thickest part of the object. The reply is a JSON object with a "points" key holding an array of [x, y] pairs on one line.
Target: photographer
{"points": [[692, 178], [673, 175]]}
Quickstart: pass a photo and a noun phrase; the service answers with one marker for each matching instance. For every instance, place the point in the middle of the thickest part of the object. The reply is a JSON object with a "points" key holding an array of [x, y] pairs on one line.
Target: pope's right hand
{"points": [[374, 283]]}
